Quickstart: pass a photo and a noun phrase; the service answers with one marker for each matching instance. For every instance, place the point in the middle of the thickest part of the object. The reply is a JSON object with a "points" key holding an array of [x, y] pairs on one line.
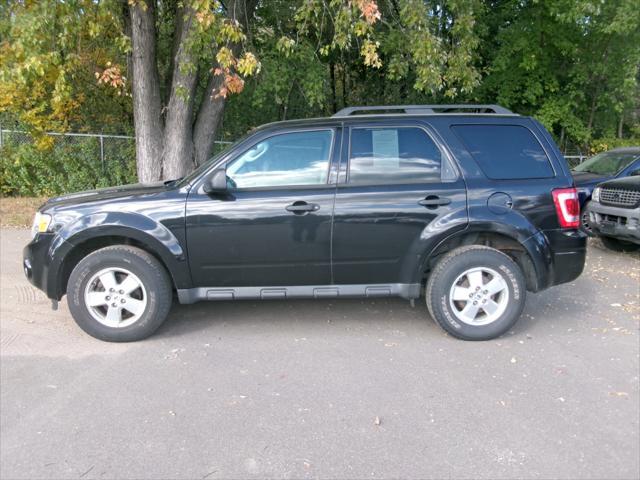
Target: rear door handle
{"points": [[302, 207], [434, 201]]}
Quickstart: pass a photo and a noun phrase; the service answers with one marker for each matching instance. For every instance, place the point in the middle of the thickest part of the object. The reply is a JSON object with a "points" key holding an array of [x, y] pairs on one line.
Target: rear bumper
{"points": [[559, 256], [621, 223]]}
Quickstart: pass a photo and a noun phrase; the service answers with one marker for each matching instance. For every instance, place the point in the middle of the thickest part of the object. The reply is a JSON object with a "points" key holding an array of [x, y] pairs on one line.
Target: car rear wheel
{"points": [[619, 245], [476, 293], [119, 294]]}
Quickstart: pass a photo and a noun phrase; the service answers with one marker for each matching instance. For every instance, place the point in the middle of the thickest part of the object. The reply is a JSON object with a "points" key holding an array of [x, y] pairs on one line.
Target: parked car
{"points": [[471, 205], [616, 163], [614, 213]]}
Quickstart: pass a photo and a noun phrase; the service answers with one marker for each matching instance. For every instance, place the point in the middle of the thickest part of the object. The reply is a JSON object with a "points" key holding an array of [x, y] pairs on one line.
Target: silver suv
{"points": [[614, 213]]}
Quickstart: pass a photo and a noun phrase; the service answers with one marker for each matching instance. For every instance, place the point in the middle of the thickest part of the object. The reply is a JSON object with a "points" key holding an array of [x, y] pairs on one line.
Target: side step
{"points": [[404, 290]]}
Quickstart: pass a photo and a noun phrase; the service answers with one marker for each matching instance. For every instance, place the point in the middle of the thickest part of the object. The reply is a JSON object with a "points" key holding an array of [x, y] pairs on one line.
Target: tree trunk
{"points": [[171, 149], [208, 120], [178, 140], [620, 125], [345, 102], [334, 100], [146, 93], [592, 111]]}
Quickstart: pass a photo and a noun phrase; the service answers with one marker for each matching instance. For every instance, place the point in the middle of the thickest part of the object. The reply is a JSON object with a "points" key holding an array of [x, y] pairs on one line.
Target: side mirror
{"points": [[217, 182]]}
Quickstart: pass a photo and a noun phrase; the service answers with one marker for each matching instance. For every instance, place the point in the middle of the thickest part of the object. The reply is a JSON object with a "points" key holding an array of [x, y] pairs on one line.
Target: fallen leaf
{"points": [[619, 394]]}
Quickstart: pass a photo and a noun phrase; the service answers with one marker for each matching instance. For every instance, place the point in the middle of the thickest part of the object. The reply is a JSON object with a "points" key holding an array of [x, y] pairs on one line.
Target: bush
{"points": [[603, 144], [71, 164]]}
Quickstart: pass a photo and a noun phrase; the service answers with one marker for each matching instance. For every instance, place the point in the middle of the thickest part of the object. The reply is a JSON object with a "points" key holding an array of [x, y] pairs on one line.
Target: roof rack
{"points": [[427, 109]]}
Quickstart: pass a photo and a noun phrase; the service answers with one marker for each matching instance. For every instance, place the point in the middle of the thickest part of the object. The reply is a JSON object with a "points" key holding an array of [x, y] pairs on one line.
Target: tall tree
{"points": [[176, 132], [572, 63]]}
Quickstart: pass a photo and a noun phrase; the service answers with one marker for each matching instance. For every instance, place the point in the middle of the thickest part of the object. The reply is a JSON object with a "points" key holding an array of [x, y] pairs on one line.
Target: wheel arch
{"points": [[81, 250], [530, 258], [90, 234]]}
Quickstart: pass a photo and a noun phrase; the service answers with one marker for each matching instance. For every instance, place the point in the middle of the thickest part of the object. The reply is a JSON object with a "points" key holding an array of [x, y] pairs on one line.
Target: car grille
{"points": [[619, 197]]}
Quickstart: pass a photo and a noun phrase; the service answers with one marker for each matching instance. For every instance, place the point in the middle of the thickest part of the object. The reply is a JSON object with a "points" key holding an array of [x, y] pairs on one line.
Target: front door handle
{"points": [[433, 201], [301, 207]]}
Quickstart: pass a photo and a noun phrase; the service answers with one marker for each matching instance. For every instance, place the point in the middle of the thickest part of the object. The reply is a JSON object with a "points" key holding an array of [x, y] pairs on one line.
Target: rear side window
{"points": [[393, 155], [505, 151]]}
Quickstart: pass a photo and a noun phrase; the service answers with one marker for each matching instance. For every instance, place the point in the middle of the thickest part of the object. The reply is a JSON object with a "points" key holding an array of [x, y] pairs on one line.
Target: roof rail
{"points": [[426, 109]]}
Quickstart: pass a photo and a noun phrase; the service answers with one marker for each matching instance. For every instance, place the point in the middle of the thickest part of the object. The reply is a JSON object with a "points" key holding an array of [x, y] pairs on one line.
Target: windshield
{"points": [[606, 163]]}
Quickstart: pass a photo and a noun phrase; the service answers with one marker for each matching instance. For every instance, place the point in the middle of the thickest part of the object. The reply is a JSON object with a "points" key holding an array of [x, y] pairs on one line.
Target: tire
{"points": [[619, 245], [460, 267], [112, 315], [585, 225]]}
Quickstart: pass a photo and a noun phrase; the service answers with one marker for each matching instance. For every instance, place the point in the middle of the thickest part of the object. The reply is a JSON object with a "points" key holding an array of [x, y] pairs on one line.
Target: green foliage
{"points": [[51, 55], [573, 64], [68, 166], [603, 144]]}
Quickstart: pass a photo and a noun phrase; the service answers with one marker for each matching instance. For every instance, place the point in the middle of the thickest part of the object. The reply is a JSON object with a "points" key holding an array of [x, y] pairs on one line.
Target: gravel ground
{"points": [[325, 389]]}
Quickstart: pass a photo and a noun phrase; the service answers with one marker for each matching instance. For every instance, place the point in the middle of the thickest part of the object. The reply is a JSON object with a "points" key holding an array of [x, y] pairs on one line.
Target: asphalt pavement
{"points": [[325, 388]]}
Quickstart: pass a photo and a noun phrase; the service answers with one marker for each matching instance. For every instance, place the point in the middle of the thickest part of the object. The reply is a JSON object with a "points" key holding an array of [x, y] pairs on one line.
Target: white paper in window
{"points": [[385, 149]]}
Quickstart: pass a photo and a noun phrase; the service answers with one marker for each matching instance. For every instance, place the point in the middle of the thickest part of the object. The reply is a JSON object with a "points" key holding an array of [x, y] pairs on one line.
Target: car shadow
{"points": [[302, 314], [311, 315]]}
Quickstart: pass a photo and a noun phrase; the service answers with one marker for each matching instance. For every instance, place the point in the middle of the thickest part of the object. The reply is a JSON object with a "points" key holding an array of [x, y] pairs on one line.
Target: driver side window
{"points": [[288, 159]]}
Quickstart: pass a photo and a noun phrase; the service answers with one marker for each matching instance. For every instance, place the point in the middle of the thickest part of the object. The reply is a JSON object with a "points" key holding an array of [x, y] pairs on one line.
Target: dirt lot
{"points": [[328, 389], [18, 211]]}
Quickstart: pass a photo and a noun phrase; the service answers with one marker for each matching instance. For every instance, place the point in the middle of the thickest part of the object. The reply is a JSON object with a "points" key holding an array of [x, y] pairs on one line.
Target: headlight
{"points": [[595, 196], [41, 223]]}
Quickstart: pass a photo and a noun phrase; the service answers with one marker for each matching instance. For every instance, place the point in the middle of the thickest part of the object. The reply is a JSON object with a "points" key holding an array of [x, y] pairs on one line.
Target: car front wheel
{"points": [[119, 294], [476, 293]]}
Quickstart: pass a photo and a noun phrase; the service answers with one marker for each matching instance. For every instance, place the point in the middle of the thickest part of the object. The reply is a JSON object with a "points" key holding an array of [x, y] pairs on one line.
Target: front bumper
{"points": [[621, 223], [37, 264]]}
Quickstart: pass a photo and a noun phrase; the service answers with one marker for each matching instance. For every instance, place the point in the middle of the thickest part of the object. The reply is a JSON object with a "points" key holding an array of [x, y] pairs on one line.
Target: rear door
{"points": [[398, 191]]}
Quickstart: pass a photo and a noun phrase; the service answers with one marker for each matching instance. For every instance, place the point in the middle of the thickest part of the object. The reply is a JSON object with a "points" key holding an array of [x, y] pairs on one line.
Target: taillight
{"points": [[567, 207]]}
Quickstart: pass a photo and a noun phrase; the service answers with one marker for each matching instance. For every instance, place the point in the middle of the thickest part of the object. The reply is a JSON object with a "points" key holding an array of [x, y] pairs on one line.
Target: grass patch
{"points": [[18, 212]]}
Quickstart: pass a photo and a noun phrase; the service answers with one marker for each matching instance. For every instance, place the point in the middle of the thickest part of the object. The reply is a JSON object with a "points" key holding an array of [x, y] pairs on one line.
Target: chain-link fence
{"points": [[61, 162], [55, 163], [575, 157], [105, 148], [108, 148]]}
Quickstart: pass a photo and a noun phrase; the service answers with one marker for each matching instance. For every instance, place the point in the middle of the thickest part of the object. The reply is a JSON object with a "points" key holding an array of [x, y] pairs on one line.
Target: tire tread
{"points": [[437, 271], [163, 284]]}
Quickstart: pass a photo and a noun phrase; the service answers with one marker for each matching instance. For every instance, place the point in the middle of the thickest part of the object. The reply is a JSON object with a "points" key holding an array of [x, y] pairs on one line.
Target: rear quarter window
{"points": [[505, 152]]}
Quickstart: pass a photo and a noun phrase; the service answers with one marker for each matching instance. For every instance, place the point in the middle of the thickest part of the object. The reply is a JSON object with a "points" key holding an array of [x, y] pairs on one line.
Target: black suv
{"points": [[471, 205]]}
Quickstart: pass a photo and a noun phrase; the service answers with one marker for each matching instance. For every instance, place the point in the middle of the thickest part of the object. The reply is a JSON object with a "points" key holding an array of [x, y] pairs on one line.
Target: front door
{"points": [[273, 227], [397, 193]]}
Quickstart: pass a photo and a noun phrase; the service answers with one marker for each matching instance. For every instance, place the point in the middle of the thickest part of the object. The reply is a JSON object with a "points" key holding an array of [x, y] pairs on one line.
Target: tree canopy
{"points": [[183, 73]]}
